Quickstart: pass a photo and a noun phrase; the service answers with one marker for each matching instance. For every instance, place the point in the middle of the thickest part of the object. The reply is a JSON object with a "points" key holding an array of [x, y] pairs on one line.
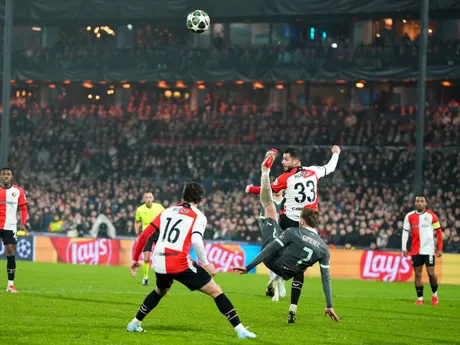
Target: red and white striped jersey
{"points": [[175, 226], [422, 227], [10, 199], [301, 189]]}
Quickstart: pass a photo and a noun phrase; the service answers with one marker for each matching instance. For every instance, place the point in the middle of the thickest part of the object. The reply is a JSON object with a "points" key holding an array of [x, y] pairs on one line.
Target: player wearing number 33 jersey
{"points": [[300, 184]]}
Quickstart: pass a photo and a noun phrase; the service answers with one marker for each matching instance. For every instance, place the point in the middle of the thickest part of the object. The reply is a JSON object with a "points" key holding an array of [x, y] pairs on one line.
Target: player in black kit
{"points": [[291, 252]]}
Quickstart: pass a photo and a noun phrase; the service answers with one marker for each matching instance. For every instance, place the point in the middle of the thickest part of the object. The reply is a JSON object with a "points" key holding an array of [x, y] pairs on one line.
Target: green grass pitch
{"points": [[66, 304]]}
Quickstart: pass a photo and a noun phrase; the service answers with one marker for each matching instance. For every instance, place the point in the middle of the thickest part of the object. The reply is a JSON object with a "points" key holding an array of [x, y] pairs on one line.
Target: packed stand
{"points": [[353, 216], [162, 52], [80, 162]]}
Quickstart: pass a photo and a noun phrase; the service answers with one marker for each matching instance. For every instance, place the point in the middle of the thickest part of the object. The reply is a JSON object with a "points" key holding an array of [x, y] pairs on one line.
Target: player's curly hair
{"points": [[310, 216], [193, 192]]}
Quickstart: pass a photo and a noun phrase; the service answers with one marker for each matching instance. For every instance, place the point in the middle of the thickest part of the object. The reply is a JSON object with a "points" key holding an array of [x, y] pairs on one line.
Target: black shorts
{"points": [[9, 237], [420, 260], [194, 278], [286, 222], [151, 240], [270, 231]]}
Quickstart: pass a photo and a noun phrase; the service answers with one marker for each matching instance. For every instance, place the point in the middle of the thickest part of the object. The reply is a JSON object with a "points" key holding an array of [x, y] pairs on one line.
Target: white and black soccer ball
{"points": [[198, 21], [24, 248]]}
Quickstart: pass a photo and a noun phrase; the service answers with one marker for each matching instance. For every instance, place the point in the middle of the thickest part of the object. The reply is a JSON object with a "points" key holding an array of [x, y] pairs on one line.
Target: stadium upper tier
{"points": [[153, 60]]}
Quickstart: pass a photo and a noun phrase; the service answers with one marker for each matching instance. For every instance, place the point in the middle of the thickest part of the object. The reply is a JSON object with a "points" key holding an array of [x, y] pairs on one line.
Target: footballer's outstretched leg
{"points": [[226, 308]]}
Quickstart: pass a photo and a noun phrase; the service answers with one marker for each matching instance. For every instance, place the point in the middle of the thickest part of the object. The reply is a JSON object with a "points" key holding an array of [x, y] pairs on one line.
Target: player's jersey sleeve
{"points": [[437, 228], [285, 238], [138, 215], [22, 200], [406, 225], [199, 226], [326, 278], [280, 183], [324, 170], [198, 230], [435, 222], [155, 226], [269, 250], [405, 232]]}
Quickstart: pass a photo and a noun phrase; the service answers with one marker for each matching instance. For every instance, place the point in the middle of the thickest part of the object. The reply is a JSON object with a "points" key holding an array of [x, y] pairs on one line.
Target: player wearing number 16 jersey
{"points": [[300, 185], [179, 227]]}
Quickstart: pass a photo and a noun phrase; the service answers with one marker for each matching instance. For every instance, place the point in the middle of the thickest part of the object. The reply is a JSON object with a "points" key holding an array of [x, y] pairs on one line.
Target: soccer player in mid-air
{"points": [[301, 191], [422, 223], [291, 252], [300, 184], [180, 227], [145, 214], [11, 196]]}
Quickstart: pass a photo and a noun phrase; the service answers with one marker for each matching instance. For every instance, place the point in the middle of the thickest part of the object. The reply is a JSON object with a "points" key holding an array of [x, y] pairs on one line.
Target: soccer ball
{"points": [[198, 21]]}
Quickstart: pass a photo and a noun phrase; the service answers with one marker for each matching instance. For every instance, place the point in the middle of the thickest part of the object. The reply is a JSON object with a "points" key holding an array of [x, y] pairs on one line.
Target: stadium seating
{"points": [[84, 161]]}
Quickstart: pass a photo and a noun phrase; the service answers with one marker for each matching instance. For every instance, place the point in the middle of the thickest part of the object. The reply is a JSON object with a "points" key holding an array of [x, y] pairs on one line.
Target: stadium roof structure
{"points": [[64, 10]]}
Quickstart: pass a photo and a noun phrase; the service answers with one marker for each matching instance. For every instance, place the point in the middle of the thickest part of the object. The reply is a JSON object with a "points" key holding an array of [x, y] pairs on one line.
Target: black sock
{"points": [[226, 308], [11, 266], [434, 288], [296, 288], [419, 290], [150, 302]]}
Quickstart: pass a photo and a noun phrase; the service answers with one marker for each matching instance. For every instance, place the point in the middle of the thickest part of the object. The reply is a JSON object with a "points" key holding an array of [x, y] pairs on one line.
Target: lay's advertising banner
{"points": [[101, 251], [226, 256], [345, 264]]}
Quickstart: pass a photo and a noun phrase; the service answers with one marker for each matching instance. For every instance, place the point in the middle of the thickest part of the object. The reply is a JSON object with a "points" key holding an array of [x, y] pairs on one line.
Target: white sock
{"points": [[420, 298], [435, 294], [10, 282], [136, 322], [293, 307], [239, 327], [272, 275]]}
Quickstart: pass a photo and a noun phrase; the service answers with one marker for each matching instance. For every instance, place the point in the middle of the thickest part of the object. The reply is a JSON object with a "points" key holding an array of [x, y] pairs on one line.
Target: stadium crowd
{"points": [[81, 162], [167, 53]]}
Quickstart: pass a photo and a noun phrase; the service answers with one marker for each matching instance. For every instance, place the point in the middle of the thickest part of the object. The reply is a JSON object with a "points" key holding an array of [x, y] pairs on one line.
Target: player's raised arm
{"points": [[331, 165], [327, 288]]}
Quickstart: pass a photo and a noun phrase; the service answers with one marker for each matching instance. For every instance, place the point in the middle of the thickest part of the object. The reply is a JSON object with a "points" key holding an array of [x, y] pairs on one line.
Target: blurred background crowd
{"points": [[88, 160], [102, 113]]}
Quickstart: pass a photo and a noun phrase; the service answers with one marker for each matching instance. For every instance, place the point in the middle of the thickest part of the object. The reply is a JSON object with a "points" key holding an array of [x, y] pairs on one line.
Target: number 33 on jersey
{"points": [[301, 185], [175, 226]]}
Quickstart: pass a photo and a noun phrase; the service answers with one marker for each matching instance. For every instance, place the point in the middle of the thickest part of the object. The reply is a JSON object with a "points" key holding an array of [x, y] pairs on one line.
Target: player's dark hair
{"points": [[310, 216], [147, 191], [293, 152], [6, 168], [422, 196], [193, 192]]}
